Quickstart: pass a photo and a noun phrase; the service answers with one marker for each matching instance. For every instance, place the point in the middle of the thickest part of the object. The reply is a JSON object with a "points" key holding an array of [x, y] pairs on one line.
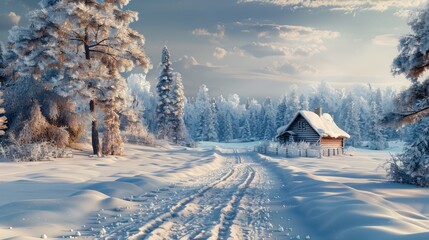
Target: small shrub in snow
{"points": [[412, 166], [34, 152], [38, 130]]}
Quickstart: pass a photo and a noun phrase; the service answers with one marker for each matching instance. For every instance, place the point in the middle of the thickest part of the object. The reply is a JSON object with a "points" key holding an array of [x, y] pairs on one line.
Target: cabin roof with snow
{"points": [[324, 125]]}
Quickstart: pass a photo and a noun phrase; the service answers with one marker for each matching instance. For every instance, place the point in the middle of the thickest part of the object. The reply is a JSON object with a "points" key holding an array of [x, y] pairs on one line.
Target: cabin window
{"points": [[301, 125]]}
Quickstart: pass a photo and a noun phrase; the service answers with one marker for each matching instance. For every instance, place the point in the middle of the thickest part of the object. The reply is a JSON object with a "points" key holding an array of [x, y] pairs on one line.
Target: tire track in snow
{"points": [[150, 226], [132, 227], [229, 212]]}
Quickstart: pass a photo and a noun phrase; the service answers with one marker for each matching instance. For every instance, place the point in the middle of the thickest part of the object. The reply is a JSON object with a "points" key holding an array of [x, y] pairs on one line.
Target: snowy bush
{"points": [[33, 152], [37, 140], [412, 166], [42, 110], [38, 130]]}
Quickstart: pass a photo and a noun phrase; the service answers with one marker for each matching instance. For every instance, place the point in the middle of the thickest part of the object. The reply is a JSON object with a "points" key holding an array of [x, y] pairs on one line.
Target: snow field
{"points": [[179, 193], [87, 194], [348, 197]]}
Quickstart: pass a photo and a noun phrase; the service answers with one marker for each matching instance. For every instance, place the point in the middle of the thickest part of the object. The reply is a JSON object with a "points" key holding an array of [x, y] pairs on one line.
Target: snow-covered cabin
{"points": [[314, 128]]}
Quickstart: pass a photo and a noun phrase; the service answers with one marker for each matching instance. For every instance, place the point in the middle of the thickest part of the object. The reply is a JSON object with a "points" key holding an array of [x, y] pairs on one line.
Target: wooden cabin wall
{"points": [[308, 134], [331, 142]]}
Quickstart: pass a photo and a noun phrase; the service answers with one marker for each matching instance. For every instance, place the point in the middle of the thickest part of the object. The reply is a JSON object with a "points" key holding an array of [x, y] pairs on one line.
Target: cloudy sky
{"points": [[263, 47]]}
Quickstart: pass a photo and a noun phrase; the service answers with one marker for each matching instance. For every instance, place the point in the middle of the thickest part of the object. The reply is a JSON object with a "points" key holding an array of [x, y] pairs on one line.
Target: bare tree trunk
{"points": [[94, 130]]}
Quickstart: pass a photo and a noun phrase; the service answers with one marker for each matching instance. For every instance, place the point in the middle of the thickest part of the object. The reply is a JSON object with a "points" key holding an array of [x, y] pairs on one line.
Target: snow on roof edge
{"points": [[324, 125]]}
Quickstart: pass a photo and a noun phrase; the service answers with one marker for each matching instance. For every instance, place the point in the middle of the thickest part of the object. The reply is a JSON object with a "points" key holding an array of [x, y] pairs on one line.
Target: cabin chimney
{"points": [[318, 111]]}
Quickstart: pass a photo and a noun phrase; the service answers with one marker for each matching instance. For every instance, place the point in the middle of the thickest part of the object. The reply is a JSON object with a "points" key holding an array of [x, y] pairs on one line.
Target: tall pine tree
{"points": [[178, 129], [164, 90]]}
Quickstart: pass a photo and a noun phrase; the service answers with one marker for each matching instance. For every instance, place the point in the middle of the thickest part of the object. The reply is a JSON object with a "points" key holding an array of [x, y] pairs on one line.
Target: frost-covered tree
{"points": [[352, 121], [281, 113], [412, 165], [413, 104], [3, 119], [269, 122], [377, 140], [293, 105], [191, 117], [254, 120], [144, 101], [178, 129], [227, 131], [164, 90], [203, 109], [246, 135], [305, 105], [3, 63], [133, 116], [79, 48], [213, 123]]}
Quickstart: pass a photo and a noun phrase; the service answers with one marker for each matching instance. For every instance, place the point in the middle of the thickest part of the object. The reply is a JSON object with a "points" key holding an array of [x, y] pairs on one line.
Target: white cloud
{"points": [[403, 13], [219, 53], [386, 40], [189, 62], [261, 50], [9, 20], [13, 18], [344, 5], [220, 33], [291, 69], [306, 34], [286, 32]]}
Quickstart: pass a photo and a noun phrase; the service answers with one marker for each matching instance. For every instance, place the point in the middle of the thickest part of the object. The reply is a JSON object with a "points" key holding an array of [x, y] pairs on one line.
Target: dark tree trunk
{"points": [[94, 130]]}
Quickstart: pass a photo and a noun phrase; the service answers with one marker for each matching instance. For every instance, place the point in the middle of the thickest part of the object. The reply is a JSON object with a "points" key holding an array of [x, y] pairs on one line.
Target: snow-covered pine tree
{"points": [[262, 117], [78, 48], [3, 119], [305, 105], [377, 140], [246, 135], [164, 89], [178, 129], [228, 131], [191, 117], [412, 165], [254, 120], [281, 113], [352, 121], [202, 103], [293, 106], [2, 64], [8, 70], [213, 123], [269, 122]]}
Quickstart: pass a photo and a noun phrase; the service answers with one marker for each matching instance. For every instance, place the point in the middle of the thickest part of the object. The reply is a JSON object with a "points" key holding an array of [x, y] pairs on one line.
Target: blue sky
{"points": [[263, 47]]}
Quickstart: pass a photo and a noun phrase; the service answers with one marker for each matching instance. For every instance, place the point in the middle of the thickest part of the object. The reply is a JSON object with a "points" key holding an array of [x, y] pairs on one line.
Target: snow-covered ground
{"points": [[217, 191]]}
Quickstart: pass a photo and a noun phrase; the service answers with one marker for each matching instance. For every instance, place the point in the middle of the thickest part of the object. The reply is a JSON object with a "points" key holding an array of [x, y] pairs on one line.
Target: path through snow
{"points": [[243, 200]]}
